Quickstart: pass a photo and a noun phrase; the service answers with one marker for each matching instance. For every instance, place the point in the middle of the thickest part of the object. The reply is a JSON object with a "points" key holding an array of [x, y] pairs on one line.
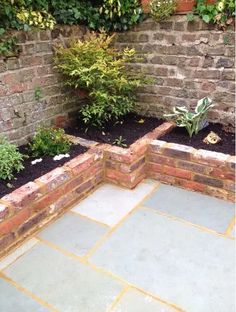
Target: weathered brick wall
{"points": [[20, 110], [189, 60]]}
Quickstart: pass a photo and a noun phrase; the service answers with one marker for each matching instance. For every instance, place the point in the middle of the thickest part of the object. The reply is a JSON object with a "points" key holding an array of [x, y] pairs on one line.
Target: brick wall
{"points": [[188, 60], [20, 76]]}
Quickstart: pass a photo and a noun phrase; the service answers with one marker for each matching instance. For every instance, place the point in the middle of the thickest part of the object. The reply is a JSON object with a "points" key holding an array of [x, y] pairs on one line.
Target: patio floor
{"points": [[156, 248]]}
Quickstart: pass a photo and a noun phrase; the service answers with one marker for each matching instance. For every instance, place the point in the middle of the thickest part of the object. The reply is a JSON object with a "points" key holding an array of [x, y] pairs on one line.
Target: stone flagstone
{"points": [[197, 208], [178, 263], [135, 301], [13, 300], [110, 203], [63, 282], [74, 233]]}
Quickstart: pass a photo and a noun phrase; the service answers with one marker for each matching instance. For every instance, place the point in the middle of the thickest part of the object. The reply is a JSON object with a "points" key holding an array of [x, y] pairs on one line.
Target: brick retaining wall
{"points": [[31, 206], [199, 170]]}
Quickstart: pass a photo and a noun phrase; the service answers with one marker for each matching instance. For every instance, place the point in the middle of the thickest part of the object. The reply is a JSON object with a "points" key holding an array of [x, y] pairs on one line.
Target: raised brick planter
{"points": [[199, 170], [28, 208], [36, 203]]}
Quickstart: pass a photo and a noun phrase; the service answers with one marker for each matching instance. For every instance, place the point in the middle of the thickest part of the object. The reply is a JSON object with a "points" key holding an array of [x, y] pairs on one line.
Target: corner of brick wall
{"points": [[188, 61], [33, 69], [199, 170], [36, 203]]}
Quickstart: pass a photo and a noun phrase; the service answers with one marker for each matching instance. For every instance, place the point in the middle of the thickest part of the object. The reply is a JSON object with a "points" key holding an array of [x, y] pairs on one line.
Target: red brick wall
{"points": [[199, 170]]}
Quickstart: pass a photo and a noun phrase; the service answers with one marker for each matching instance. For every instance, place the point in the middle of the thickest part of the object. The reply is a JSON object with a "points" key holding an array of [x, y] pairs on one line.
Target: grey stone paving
{"points": [[13, 300], [63, 282], [135, 301], [141, 260], [173, 261], [110, 203], [74, 234], [197, 208]]}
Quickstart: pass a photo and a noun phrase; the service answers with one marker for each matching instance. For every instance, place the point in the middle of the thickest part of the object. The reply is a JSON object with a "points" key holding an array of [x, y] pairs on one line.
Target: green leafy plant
{"points": [[119, 15], [8, 45], [120, 141], [11, 160], [192, 121], [95, 66], [162, 9], [220, 13], [50, 142], [38, 93]]}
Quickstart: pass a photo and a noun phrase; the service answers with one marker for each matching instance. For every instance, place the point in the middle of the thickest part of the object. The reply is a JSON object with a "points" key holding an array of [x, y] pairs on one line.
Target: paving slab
{"points": [[63, 282], [135, 301], [13, 300], [17, 253], [74, 233], [200, 209], [110, 203], [176, 262]]}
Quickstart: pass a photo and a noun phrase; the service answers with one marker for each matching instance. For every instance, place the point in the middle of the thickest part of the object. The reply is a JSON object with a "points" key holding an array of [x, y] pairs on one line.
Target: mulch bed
{"points": [[226, 145], [32, 172], [132, 128]]}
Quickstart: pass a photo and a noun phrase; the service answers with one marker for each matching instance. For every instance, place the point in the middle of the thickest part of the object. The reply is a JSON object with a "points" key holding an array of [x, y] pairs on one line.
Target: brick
{"points": [[4, 211], [221, 173], [178, 151], [208, 181], [23, 196], [162, 177], [194, 186], [191, 167], [229, 185], [157, 146], [155, 158], [85, 187], [31, 223], [62, 202], [151, 167], [230, 162], [48, 199], [217, 192], [80, 163], [6, 241], [130, 168], [54, 179], [14, 222], [209, 158], [176, 172]]}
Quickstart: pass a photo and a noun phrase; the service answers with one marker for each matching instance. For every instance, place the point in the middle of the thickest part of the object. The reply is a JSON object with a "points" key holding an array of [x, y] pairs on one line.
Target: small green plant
{"points": [[192, 121], [120, 141], [11, 160], [38, 93], [220, 13], [7, 44], [119, 15], [95, 66], [162, 9], [50, 142]]}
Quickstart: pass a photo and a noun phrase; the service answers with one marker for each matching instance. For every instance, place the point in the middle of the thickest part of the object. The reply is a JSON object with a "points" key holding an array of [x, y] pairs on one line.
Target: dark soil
{"points": [[32, 172], [129, 129], [226, 145]]}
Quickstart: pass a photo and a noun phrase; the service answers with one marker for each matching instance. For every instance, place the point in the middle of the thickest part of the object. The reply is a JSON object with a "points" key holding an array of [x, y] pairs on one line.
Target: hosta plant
{"points": [[11, 160], [162, 9], [49, 142], [192, 121], [96, 67]]}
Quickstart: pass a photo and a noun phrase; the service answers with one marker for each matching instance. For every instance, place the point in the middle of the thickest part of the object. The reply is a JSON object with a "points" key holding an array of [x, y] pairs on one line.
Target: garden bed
{"points": [[32, 172], [129, 130], [226, 145]]}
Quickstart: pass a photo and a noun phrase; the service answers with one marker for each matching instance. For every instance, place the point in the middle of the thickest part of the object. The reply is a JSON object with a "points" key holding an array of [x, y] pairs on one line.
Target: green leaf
{"points": [[206, 18]]}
